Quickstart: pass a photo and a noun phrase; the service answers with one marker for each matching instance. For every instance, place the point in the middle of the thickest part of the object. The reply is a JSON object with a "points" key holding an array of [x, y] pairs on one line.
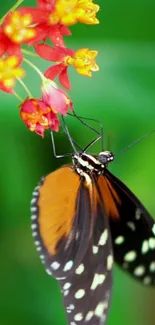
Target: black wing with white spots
{"points": [[87, 291], [83, 264], [133, 234]]}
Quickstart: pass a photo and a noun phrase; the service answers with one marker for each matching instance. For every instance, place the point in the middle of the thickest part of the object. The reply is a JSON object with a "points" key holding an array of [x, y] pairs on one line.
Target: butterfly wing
{"points": [[87, 291], [53, 209], [71, 231], [132, 231]]}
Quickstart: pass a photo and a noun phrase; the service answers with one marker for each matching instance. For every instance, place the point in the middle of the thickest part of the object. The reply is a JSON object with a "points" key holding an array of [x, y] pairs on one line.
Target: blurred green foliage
{"points": [[122, 97]]}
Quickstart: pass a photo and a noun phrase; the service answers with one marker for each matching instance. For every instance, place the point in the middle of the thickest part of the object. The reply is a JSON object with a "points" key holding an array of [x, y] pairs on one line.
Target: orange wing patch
{"points": [[57, 204], [110, 197]]}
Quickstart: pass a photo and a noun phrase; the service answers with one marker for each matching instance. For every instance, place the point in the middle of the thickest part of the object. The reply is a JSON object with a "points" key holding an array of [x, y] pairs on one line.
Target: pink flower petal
{"points": [[53, 121], [40, 129], [55, 98]]}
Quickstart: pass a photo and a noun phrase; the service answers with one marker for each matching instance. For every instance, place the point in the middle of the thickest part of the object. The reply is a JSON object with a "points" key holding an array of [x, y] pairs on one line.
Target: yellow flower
{"points": [[72, 11], [84, 61], [9, 70]]}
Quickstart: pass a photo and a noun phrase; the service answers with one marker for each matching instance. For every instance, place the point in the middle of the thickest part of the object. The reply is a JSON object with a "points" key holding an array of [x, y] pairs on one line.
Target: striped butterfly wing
{"points": [[132, 231], [72, 236]]}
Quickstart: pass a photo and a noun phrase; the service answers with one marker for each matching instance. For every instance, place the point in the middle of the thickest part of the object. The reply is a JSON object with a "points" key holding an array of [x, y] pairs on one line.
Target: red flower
{"points": [[38, 117], [7, 46], [57, 54], [55, 97], [17, 29], [47, 24]]}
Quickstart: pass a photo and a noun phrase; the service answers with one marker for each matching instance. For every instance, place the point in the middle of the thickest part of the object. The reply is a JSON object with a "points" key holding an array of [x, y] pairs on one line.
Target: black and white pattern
{"points": [[84, 260]]}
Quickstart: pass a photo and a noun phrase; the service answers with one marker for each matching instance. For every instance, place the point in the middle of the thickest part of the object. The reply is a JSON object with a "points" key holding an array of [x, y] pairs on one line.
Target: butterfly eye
{"points": [[105, 157]]}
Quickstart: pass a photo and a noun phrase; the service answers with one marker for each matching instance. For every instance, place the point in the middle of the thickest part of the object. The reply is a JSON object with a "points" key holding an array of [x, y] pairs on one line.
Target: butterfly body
{"points": [[82, 216]]}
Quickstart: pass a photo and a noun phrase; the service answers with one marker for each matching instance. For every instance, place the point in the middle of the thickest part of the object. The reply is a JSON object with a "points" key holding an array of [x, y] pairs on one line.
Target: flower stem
{"points": [[16, 95], [25, 87], [14, 7], [35, 68], [29, 52]]}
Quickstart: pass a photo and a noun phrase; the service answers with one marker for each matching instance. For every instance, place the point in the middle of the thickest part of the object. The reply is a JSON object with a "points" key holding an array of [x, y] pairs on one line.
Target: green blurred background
{"points": [[121, 95]]}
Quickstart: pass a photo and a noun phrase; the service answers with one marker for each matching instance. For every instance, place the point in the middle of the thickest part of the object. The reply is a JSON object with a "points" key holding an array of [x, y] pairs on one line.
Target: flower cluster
{"points": [[48, 21]]}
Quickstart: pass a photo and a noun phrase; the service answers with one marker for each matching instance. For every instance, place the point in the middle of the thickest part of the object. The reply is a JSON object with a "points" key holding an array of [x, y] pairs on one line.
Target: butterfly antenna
{"points": [[81, 118], [135, 142], [64, 127], [91, 143]]}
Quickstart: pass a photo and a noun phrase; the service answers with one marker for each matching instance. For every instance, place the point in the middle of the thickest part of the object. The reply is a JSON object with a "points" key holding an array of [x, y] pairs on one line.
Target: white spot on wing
{"points": [[152, 243], [145, 247], [55, 265], [95, 249], [37, 242], [89, 316], [71, 307], [79, 269], [153, 229], [66, 286], [138, 214], [97, 280], [48, 271], [119, 240], [33, 226], [33, 217], [131, 225], [152, 267], [139, 270], [78, 317], [34, 200], [103, 238], [68, 266], [80, 294], [33, 209], [34, 233], [130, 256], [100, 308], [109, 262]]}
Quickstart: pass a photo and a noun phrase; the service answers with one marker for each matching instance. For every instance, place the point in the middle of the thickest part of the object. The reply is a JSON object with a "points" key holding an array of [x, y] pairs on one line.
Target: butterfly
{"points": [[83, 219]]}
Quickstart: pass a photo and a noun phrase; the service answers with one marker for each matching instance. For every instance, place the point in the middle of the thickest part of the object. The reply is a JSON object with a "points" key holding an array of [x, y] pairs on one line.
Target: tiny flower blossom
{"points": [[55, 97], [17, 28], [82, 60], [38, 117], [69, 12], [9, 71], [46, 26]]}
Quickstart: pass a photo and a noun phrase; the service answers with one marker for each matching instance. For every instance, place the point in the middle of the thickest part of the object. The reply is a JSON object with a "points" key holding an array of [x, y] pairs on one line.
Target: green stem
{"points": [[14, 7], [35, 68], [29, 53], [25, 87], [16, 95]]}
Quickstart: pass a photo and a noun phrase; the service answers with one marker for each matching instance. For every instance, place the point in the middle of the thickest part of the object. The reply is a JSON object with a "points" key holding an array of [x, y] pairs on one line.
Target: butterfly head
{"points": [[85, 163], [105, 157]]}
